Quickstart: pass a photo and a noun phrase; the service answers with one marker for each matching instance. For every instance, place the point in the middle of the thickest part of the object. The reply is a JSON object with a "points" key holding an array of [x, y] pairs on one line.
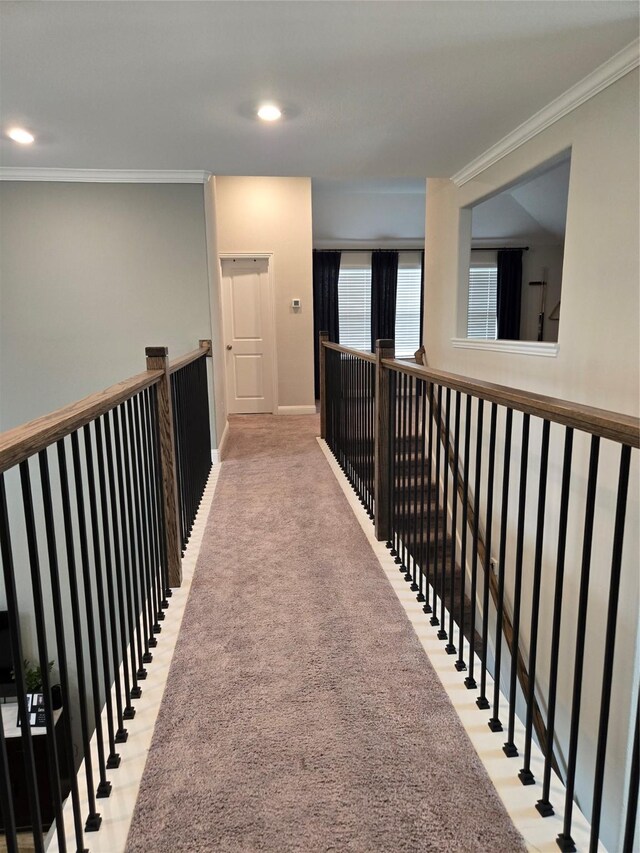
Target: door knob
{"points": [[229, 346]]}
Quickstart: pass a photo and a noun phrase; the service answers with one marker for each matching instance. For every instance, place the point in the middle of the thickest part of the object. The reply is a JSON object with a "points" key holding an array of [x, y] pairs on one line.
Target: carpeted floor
{"points": [[301, 713]]}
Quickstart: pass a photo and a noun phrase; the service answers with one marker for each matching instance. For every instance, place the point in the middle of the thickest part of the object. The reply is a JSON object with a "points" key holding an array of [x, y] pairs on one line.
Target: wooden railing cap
{"points": [[156, 352], [601, 422]]}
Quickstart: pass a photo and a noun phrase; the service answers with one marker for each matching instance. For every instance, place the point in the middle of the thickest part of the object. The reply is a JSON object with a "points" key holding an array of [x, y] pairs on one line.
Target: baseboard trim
{"points": [[296, 410], [221, 444]]}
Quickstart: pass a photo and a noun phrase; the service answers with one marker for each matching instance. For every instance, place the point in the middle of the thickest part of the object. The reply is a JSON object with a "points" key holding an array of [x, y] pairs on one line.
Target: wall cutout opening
{"points": [[516, 257]]}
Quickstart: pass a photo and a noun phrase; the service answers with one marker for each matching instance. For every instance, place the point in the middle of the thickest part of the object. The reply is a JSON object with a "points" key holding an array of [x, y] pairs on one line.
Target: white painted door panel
{"points": [[248, 335]]}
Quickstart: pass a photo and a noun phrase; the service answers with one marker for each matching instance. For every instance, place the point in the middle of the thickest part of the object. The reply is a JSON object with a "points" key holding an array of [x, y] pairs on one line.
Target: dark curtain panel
{"points": [[326, 269], [384, 285], [509, 294]]}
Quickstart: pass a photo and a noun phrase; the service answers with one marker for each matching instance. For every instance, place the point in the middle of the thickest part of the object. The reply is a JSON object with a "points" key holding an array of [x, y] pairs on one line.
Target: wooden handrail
{"points": [[203, 350], [606, 424], [23, 441], [365, 356]]}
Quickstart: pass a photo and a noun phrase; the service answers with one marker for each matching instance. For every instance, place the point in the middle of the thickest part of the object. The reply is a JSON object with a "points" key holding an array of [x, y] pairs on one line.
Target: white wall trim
{"points": [[296, 410], [540, 348], [115, 176], [606, 74]]}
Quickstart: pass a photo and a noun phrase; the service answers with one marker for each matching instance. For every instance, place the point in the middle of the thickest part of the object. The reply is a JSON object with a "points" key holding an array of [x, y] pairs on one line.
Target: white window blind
{"points": [[354, 306], [407, 333], [481, 313]]}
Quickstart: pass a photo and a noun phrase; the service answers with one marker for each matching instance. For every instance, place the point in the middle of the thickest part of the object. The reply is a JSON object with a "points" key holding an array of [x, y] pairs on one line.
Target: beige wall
{"points": [[598, 360], [274, 215], [598, 363], [90, 274]]}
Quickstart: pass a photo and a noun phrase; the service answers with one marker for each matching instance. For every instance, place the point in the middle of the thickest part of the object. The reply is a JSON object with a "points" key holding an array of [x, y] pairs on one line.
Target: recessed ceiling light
{"points": [[269, 112], [18, 134]]}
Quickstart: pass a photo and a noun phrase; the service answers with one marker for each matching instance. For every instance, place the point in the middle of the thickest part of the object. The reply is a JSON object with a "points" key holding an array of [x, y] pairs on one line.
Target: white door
{"points": [[248, 333]]}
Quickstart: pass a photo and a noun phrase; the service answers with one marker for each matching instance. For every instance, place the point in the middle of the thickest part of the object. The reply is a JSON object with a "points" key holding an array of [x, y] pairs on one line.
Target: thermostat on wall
{"points": [[295, 303]]}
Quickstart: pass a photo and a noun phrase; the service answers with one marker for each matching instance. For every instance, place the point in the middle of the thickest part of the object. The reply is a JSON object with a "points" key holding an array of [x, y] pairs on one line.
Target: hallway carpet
{"points": [[301, 713]]}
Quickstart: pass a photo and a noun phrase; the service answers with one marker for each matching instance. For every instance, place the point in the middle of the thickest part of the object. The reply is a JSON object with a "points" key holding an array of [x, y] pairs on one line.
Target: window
{"points": [[481, 314], [407, 334], [354, 302]]}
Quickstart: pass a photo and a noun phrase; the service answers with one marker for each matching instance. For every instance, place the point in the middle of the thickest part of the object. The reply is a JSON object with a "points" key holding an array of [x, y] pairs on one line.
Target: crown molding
{"points": [[113, 176], [606, 74]]}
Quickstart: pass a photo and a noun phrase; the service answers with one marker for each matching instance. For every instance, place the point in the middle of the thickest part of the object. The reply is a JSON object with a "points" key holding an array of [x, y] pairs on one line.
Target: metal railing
{"points": [[89, 547], [495, 503]]}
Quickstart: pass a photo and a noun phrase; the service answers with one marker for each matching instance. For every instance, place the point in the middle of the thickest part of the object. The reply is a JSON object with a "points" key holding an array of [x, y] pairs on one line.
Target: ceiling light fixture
{"points": [[269, 112], [18, 134]]}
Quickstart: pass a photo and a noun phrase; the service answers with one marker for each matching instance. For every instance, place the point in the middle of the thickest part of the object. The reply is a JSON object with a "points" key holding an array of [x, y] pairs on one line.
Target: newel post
{"points": [[324, 336], [158, 359], [382, 441]]}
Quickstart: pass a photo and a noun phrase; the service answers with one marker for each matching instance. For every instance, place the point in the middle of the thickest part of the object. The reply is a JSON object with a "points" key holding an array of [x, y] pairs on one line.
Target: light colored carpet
{"points": [[301, 713]]}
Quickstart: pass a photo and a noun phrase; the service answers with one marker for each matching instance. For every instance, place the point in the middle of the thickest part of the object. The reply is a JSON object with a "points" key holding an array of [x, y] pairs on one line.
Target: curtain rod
{"points": [[414, 249], [499, 248]]}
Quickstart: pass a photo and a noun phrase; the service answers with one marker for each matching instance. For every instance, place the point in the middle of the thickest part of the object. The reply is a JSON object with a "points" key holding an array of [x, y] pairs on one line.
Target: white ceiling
{"points": [[370, 89]]}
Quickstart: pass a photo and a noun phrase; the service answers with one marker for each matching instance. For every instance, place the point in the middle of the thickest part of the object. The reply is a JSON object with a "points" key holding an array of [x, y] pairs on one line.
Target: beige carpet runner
{"points": [[301, 713]]}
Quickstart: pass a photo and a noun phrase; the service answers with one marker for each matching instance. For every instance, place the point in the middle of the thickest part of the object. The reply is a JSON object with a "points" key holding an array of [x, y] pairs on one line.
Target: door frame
{"points": [[270, 320]]}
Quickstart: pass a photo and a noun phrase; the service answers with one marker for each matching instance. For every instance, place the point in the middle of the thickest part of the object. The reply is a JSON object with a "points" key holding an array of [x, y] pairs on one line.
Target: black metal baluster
{"points": [[11, 596], [426, 608], [396, 414], [402, 399], [134, 537], [61, 644], [470, 682], [634, 780], [6, 798], [93, 820], [121, 733], [406, 471], [609, 646], [543, 805], [482, 702], [410, 484], [494, 723], [460, 664], [564, 840], [154, 538], [416, 485], [450, 648], [147, 532], [104, 786], [421, 550], [53, 760], [359, 431], [117, 529], [525, 775], [509, 748], [128, 551], [393, 449], [372, 380], [349, 441], [442, 634], [436, 539], [173, 380]]}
